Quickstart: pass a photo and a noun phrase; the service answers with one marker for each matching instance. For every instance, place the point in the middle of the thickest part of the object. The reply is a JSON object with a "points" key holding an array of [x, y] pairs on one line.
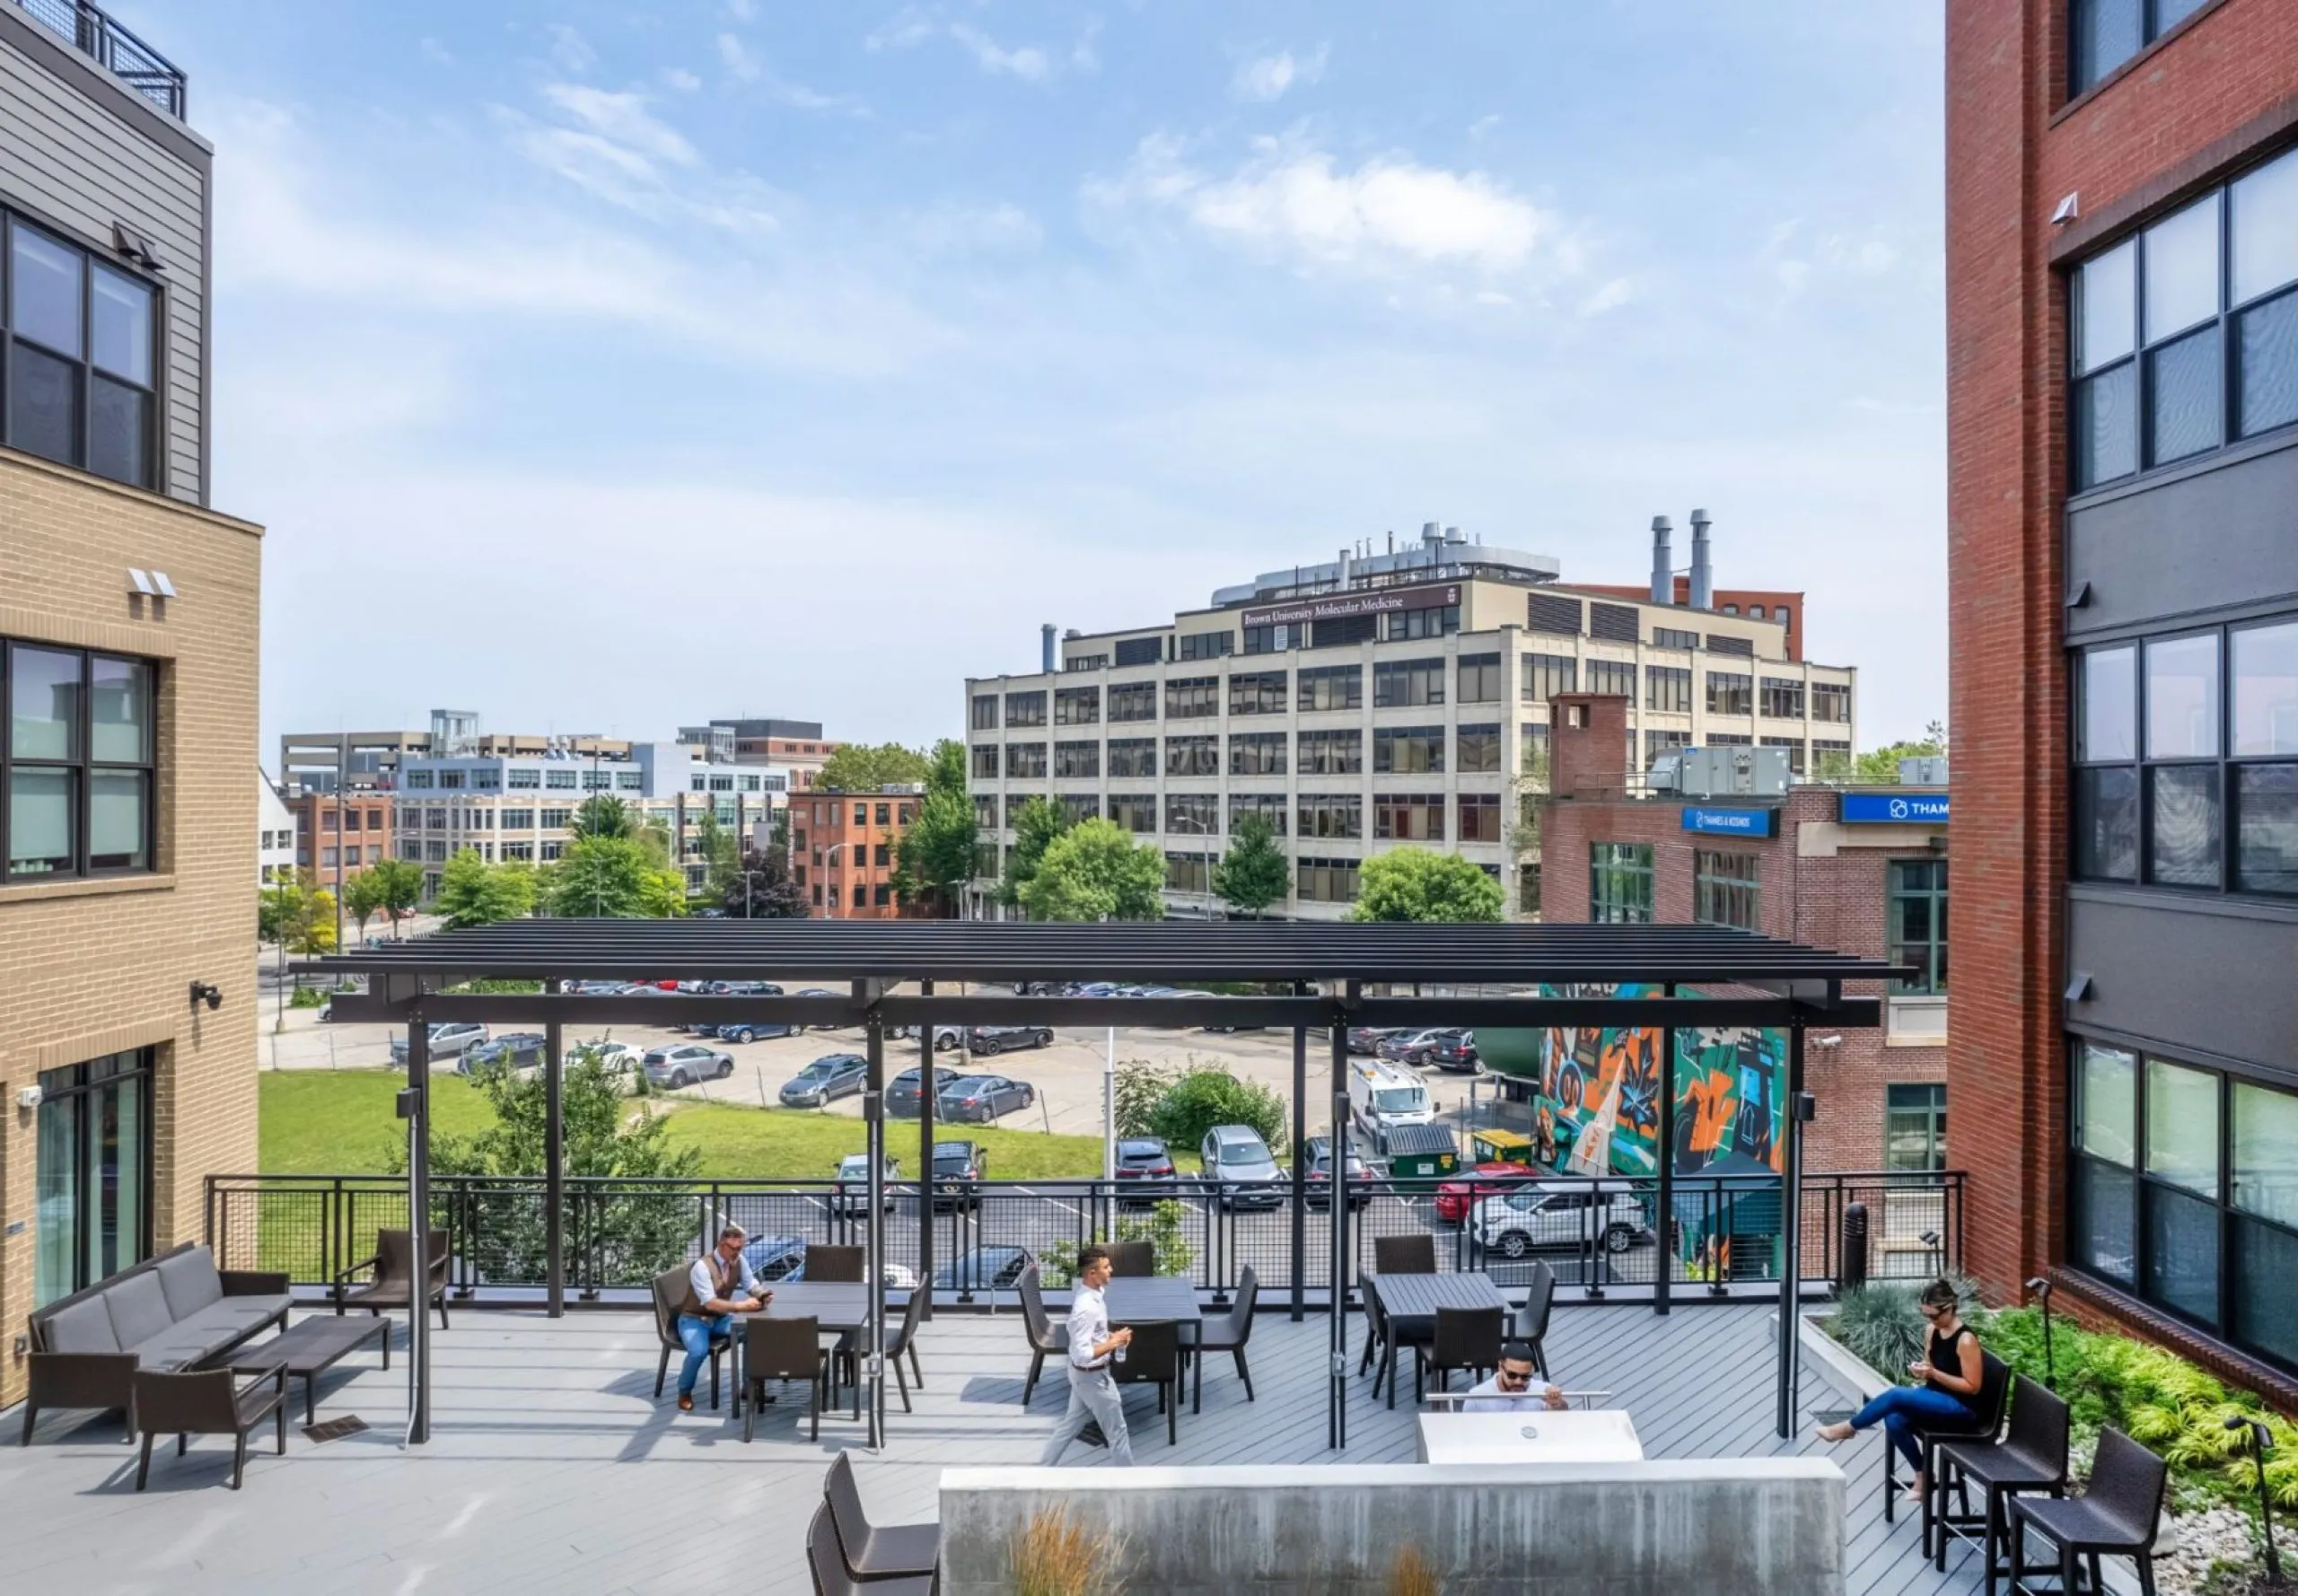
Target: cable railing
{"points": [[970, 1241], [97, 35]]}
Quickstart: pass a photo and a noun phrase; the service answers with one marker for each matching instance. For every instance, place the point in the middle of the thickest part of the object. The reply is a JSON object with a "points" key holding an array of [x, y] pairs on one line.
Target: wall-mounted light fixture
{"points": [[28, 1098], [152, 584], [208, 993]]}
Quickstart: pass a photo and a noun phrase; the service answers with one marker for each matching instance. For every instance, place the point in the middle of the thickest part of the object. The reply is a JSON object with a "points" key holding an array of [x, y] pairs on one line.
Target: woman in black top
{"points": [[1949, 1370]]}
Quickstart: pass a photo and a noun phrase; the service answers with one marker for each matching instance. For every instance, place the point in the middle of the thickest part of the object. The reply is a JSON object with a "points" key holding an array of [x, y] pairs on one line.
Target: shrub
{"points": [[1053, 1556], [1410, 1575], [1882, 1325], [1207, 1096], [1141, 1086], [1165, 1227]]}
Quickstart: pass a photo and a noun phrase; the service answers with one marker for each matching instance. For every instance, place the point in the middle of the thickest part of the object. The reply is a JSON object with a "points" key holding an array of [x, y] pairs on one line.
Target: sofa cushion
{"points": [[189, 1281], [139, 1308], [84, 1327], [179, 1346]]}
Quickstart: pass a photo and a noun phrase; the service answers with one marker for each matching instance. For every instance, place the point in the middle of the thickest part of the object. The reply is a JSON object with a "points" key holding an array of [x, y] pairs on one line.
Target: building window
{"points": [[1188, 873], [1256, 753], [1796, 760], [1331, 753], [1192, 756], [1077, 706], [451, 778], [1548, 674], [91, 1172], [1534, 737], [1619, 883], [1400, 817], [525, 779], [985, 760], [1273, 808], [1915, 1128], [1674, 637], [1915, 922], [1259, 692], [1330, 686], [79, 387], [1730, 692], [1134, 701], [2102, 34], [1135, 812], [1401, 626], [985, 817], [1481, 680], [1133, 757], [524, 851], [1725, 890], [1074, 806], [1782, 698], [1026, 759], [1325, 880], [1206, 645], [1025, 709], [1656, 743], [77, 764], [518, 820], [1409, 751], [861, 895], [1407, 684], [985, 712], [1477, 749], [1331, 814], [1188, 698], [1479, 817], [1077, 759], [1615, 677], [1193, 814], [562, 779], [557, 820], [434, 852], [1831, 702], [1086, 661], [1275, 639]]}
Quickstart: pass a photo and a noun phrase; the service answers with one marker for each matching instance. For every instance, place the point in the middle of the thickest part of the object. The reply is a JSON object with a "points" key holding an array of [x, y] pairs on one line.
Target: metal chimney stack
{"points": [[1663, 569], [1045, 640], [1702, 575]]}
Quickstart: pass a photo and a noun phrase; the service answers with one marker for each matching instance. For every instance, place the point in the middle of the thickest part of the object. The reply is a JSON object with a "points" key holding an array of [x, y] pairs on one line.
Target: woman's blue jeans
{"points": [[696, 1335], [1902, 1407]]}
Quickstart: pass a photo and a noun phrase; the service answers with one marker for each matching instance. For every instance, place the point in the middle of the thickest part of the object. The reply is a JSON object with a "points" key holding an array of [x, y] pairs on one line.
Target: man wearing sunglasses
{"points": [[1511, 1389]]}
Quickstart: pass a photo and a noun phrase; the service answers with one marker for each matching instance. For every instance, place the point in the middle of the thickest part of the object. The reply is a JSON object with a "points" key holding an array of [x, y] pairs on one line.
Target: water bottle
{"points": [[1118, 1355]]}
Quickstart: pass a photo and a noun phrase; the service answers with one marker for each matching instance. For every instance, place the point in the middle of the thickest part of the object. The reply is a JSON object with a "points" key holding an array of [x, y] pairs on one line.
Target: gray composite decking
{"points": [[553, 1469]]}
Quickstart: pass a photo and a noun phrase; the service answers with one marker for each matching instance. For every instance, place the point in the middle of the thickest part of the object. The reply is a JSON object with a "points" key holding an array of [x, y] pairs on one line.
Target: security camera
{"points": [[208, 993]]}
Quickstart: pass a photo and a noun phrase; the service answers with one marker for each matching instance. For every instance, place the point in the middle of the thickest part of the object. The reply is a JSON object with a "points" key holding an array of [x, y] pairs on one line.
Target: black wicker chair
{"points": [[1393, 1255], [1985, 1423], [2030, 1458], [1467, 1338], [1153, 1357], [2115, 1517]]}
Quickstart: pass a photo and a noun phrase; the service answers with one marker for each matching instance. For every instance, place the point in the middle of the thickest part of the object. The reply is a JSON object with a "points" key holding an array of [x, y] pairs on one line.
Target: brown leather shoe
{"points": [[686, 1401]]}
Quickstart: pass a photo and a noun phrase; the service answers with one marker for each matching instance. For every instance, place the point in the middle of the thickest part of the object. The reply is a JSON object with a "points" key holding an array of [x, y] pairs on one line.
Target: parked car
{"points": [[1456, 1198], [903, 1094], [1368, 1039], [832, 1075], [1410, 1046], [946, 1036], [1145, 1170], [784, 1258], [958, 1170], [449, 1039], [681, 1064], [1454, 1050], [749, 1031], [816, 992], [1002, 1038], [1319, 1175], [1238, 1169], [619, 1058], [982, 1098], [1550, 1214], [518, 1050], [853, 1193], [985, 1269]]}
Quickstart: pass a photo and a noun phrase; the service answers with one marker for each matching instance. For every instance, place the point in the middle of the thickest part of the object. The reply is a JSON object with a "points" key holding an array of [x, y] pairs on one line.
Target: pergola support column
{"points": [[1301, 1162], [1337, 1205], [554, 1162], [418, 1101], [926, 1087], [871, 1352], [1791, 1235]]}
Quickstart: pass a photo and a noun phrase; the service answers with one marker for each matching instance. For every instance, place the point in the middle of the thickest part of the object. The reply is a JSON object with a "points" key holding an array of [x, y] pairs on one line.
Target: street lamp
{"points": [[2261, 1441]]}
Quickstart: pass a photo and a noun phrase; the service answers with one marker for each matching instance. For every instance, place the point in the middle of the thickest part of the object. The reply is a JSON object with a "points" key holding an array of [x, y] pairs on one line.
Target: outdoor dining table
{"points": [[1409, 1303], [1151, 1299], [840, 1306]]}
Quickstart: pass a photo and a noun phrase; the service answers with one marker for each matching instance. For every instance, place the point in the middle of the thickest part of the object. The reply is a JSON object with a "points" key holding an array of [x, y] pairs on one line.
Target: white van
{"points": [[1382, 1096]]}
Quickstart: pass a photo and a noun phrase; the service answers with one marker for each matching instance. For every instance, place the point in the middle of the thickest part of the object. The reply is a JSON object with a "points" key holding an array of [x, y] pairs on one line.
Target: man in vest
{"points": [[712, 1297]]}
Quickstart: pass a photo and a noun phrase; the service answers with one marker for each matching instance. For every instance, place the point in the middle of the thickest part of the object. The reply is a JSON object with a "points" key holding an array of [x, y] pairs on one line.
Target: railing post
{"points": [[1301, 1160], [554, 1158], [1663, 1222]]}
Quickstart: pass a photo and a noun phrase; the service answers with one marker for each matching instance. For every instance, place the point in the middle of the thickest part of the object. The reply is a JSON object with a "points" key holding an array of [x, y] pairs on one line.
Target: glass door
{"points": [[94, 1172]]}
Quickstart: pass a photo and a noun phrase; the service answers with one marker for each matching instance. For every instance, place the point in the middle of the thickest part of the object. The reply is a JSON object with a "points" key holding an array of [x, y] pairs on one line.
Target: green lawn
{"points": [[341, 1122]]}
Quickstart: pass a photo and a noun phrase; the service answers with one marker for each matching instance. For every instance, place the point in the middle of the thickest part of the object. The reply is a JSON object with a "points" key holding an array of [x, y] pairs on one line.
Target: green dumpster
{"points": [[1421, 1152]]}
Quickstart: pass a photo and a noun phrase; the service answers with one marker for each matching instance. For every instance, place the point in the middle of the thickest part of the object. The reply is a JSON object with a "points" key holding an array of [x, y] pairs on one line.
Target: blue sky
{"points": [[606, 368]]}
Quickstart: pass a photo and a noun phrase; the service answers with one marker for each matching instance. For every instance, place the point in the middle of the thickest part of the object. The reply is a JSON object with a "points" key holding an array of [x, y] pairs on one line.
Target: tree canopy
{"points": [[615, 878], [601, 814], [397, 886], [1879, 766], [1035, 827], [1254, 872], [473, 892], [1411, 884], [762, 888], [863, 768], [1095, 871], [299, 913]]}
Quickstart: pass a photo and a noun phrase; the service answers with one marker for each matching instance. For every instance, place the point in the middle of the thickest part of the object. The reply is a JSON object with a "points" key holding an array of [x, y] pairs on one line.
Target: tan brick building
{"points": [[129, 614]]}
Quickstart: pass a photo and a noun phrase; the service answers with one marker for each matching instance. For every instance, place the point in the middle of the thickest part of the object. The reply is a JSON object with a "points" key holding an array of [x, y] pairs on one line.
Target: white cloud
{"points": [[1613, 294], [1268, 78], [738, 58], [680, 79], [1030, 63], [1293, 199], [1027, 61], [623, 118], [569, 50], [742, 10]]}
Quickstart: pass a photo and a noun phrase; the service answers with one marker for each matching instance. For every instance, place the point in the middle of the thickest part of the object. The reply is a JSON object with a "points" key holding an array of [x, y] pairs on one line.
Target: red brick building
{"points": [[842, 849], [1810, 870], [2122, 278], [340, 833], [1757, 603]]}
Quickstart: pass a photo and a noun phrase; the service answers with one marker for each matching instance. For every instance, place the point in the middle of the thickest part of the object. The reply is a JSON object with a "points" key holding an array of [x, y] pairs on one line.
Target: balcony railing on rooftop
{"points": [[102, 40]]}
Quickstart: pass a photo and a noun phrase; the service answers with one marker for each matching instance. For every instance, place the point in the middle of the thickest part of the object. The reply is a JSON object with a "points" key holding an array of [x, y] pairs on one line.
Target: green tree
{"points": [[862, 767], [1206, 1096], [473, 892], [298, 913], [398, 886], [1254, 872], [1035, 827], [945, 768], [276, 909], [937, 850], [312, 931], [1095, 871], [615, 878], [363, 898], [1879, 766], [602, 815], [1421, 884]]}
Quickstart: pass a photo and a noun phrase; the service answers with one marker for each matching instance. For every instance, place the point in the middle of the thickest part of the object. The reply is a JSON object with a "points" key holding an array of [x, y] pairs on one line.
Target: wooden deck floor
{"points": [[554, 1471]]}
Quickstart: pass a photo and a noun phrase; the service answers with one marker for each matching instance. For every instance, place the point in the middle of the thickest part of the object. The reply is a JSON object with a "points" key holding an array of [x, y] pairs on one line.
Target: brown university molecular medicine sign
{"points": [[1345, 605]]}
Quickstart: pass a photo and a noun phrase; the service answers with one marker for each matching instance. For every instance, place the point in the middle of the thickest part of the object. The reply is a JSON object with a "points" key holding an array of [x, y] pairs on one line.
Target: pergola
{"points": [[1326, 966]]}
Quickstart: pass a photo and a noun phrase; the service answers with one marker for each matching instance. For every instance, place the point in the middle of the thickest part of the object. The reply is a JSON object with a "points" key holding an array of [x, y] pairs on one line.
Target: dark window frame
{"points": [[1025, 709], [1313, 683], [1131, 698], [74, 1081], [1409, 684], [1259, 753], [1735, 689], [86, 372], [82, 768], [1929, 953], [1391, 742], [1727, 889], [1621, 879], [1067, 702], [1260, 692], [1926, 1099]]}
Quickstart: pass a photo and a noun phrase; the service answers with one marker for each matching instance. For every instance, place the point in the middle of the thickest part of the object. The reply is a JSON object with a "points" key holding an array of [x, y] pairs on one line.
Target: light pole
{"points": [[2261, 1443]]}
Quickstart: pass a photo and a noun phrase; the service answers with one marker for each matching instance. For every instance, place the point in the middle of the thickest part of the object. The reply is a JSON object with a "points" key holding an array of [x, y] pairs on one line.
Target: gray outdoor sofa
{"points": [[174, 1311]]}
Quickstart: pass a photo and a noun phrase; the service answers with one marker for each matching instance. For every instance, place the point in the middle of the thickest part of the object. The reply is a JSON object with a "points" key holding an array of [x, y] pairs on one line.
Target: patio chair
{"points": [[1396, 1255], [1228, 1335], [1153, 1357], [1047, 1338], [784, 1349], [1530, 1324], [1466, 1338], [877, 1552], [827, 1563], [901, 1341], [843, 1264], [1133, 1260], [669, 1297], [393, 1270], [2115, 1516], [207, 1402], [1985, 1423], [2030, 1458]]}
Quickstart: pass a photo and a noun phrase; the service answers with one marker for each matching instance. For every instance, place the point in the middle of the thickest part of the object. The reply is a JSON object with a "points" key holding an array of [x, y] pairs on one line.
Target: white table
{"points": [[1606, 1435]]}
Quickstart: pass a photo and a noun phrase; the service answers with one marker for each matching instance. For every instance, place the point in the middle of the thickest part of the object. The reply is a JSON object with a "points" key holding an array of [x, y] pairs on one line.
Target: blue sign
{"points": [[1732, 822], [1894, 809]]}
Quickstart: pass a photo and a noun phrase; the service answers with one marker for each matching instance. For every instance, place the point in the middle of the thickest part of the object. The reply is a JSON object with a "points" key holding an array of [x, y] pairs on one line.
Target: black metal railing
{"points": [[1595, 1235], [100, 37]]}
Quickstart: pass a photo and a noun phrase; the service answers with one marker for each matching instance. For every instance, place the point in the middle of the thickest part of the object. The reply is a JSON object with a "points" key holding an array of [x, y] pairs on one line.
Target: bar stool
{"points": [[2115, 1517], [2030, 1458]]}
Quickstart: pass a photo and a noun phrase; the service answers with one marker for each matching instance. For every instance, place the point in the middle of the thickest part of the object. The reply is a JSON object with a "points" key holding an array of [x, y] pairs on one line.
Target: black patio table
{"points": [[1149, 1299], [1409, 1302], [838, 1305]]}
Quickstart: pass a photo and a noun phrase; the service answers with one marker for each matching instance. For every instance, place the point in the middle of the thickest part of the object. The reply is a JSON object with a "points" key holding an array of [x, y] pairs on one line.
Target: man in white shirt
{"points": [[1093, 1393], [721, 1283], [1510, 1389]]}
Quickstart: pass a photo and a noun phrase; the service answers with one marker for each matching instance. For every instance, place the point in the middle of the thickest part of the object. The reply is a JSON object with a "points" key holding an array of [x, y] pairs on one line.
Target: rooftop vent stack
{"points": [[1702, 575], [1432, 536], [1663, 569], [1392, 542], [1045, 640], [1347, 560], [1452, 536]]}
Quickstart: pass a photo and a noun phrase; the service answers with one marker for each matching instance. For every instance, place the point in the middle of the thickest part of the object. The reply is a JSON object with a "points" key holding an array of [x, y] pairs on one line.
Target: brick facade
{"points": [[832, 852], [101, 966]]}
